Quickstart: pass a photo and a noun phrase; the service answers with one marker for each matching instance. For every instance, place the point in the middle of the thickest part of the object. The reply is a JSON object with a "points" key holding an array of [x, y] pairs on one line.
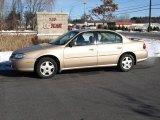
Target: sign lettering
{"points": [[52, 19], [52, 25]]}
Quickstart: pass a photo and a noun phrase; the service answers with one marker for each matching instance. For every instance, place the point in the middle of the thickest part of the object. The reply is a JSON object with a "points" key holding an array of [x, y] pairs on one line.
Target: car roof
{"points": [[85, 30], [96, 30]]}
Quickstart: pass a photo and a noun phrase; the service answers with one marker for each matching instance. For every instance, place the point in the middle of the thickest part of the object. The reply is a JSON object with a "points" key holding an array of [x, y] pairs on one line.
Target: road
{"points": [[90, 94]]}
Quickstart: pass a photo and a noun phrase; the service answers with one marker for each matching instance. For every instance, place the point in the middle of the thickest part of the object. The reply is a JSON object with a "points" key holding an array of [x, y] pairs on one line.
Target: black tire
{"points": [[46, 68], [126, 62]]}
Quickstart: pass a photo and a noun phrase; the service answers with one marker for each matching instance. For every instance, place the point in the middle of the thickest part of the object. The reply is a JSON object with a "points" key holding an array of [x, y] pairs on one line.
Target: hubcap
{"points": [[47, 68], [127, 63]]}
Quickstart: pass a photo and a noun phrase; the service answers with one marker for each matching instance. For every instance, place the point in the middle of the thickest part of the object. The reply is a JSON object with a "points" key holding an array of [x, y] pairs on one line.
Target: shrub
{"points": [[14, 42]]}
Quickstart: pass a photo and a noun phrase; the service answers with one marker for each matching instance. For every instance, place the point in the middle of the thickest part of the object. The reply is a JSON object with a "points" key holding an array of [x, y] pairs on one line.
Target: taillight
{"points": [[144, 46]]}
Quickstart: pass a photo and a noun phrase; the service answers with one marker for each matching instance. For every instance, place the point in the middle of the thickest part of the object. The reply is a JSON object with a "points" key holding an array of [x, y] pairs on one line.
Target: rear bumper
{"points": [[141, 55]]}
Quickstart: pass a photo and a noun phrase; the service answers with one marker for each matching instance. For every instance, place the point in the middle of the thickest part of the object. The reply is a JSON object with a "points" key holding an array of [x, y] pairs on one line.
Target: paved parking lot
{"points": [[90, 94]]}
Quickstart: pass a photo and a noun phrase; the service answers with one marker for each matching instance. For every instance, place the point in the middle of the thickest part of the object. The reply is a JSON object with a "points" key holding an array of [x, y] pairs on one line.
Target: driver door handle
{"points": [[91, 49]]}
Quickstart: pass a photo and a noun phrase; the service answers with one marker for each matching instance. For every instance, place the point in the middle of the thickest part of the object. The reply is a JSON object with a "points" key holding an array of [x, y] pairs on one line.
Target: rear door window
{"points": [[108, 38]]}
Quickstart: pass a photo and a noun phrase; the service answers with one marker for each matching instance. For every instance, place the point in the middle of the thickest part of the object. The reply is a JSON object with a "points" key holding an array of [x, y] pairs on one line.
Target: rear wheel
{"points": [[46, 68], [126, 62]]}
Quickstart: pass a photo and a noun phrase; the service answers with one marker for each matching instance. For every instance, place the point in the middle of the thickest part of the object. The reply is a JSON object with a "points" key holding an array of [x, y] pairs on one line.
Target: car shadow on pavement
{"points": [[13, 73], [137, 105], [84, 72], [87, 71], [149, 63]]}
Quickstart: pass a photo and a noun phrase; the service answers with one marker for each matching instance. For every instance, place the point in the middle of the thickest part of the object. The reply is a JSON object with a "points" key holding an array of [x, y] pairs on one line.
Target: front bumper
{"points": [[22, 64]]}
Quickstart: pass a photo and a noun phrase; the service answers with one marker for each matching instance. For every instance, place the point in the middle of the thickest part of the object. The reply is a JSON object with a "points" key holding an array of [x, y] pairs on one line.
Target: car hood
{"points": [[34, 48]]}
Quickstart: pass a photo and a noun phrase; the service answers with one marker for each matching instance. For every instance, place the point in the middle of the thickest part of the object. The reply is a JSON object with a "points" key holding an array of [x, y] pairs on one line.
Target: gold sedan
{"points": [[80, 49]]}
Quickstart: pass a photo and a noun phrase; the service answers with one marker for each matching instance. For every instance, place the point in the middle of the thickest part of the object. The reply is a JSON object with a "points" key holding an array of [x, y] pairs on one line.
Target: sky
{"points": [[133, 7]]}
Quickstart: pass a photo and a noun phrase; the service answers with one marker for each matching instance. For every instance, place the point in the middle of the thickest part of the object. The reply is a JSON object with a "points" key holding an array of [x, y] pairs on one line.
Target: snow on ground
{"points": [[4, 60], [153, 47], [13, 32], [4, 56]]}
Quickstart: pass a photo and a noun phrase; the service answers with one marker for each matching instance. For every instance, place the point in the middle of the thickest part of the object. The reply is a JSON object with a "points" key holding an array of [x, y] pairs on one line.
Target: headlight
{"points": [[19, 56]]}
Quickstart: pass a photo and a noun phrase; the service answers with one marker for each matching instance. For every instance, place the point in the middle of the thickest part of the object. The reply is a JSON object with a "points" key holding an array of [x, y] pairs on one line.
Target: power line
{"points": [[155, 8], [132, 11], [138, 7], [136, 11], [130, 8], [127, 2]]}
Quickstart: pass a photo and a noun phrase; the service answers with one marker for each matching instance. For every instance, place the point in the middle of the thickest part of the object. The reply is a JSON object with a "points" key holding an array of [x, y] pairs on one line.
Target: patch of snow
{"points": [[4, 56], [14, 32], [153, 47], [4, 60]]}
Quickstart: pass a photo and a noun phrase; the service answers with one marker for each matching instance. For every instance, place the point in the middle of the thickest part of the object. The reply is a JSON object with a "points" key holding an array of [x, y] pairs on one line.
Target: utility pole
{"points": [[150, 10], [85, 11], [70, 11]]}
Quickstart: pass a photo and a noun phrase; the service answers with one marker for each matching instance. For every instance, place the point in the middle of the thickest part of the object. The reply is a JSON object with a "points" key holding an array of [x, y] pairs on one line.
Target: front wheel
{"points": [[126, 62], [46, 68]]}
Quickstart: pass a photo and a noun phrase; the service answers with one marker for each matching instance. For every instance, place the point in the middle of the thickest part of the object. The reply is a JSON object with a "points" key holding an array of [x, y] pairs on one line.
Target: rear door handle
{"points": [[119, 47], [91, 49]]}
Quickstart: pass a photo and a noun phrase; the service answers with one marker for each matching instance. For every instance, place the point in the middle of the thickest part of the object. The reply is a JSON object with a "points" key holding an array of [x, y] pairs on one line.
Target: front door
{"points": [[83, 53]]}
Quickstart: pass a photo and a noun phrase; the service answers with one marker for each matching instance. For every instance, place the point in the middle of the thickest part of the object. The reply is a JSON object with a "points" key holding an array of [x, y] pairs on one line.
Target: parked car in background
{"points": [[80, 49], [88, 27]]}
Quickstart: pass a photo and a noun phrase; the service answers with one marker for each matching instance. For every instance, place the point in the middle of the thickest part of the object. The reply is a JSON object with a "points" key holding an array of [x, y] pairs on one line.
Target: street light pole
{"points": [[84, 11], [150, 8]]}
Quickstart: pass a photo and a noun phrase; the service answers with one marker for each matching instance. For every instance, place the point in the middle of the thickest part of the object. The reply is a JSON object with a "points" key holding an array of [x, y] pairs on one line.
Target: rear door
{"points": [[109, 47]]}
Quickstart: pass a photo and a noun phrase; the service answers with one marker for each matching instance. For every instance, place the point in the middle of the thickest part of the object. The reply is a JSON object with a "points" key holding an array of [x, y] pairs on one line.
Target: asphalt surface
{"points": [[90, 94]]}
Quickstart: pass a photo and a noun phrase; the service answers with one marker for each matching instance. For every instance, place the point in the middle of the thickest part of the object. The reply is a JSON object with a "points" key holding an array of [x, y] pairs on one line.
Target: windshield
{"points": [[62, 40]]}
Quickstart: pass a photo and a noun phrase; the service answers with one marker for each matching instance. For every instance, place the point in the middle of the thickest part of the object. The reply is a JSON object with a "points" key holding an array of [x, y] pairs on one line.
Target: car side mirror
{"points": [[72, 43]]}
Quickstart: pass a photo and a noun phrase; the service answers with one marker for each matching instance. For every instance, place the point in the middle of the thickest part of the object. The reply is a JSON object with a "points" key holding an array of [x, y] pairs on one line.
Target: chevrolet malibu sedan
{"points": [[80, 49]]}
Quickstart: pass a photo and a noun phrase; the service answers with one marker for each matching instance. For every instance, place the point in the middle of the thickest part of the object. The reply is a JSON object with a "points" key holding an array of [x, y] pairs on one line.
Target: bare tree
{"points": [[20, 8], [2, 13], [34, 6], [21, 11], [105, 11], [39, 5], [14, 18]]}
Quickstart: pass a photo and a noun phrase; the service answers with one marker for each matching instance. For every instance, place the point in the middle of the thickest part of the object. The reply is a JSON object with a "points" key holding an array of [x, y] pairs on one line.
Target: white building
{"points": [[143, 26]]}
